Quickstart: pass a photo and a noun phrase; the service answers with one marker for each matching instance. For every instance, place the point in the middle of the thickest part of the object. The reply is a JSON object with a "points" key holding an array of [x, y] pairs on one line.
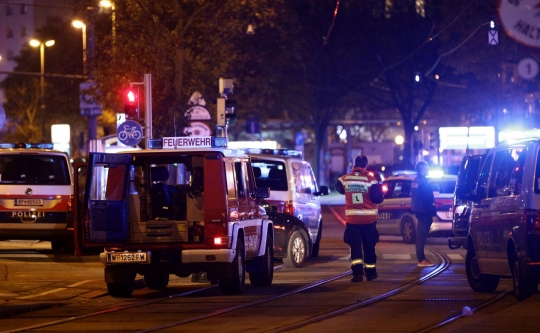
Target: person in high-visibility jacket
{"points": [[362, 194]]}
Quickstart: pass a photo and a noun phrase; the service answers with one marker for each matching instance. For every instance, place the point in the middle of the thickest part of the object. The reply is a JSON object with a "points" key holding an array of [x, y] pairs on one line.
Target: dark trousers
{"points": [[362, 239], [422, 231]]}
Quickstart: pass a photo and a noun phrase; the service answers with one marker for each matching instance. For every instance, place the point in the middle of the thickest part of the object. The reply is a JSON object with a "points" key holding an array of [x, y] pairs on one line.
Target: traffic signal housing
{"points": [[131, 102], [225, 111]]}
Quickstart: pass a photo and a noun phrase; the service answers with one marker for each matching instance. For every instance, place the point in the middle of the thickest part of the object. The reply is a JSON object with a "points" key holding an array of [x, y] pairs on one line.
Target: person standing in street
{"points": [[423, 207], [362, 194]]}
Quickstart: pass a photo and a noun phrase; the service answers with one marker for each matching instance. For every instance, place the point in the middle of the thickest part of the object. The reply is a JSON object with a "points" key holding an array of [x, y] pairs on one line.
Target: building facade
{"points": [[19, 20]]}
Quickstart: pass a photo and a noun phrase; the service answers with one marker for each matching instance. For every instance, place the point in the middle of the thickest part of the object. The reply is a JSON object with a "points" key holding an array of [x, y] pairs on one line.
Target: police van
{"points": [[503, 239], [294, 192], [36, 195], [184, 205]]}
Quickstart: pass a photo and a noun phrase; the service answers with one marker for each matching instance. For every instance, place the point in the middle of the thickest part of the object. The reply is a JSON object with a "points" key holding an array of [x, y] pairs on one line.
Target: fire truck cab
{"points": [[185, 205]]}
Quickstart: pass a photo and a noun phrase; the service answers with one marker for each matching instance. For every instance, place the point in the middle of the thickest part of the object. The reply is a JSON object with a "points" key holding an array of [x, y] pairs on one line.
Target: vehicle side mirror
{"points": [[323, 190], [263, 192]]}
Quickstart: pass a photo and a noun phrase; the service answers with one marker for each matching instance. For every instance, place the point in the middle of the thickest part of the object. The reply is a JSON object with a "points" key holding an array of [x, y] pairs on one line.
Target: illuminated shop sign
{"points": [[479, 137]]}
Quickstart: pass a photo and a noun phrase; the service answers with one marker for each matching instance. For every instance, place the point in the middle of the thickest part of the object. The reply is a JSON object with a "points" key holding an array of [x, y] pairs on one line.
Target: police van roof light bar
{"points": [[279, 152], [27, 145]]}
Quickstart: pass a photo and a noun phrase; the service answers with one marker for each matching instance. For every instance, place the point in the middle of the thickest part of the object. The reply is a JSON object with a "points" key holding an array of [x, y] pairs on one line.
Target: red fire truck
{"points": [[183, 206]]}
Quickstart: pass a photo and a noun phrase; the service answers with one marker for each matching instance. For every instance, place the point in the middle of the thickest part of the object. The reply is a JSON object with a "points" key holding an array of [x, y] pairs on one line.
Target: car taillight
{"points": [[289, 208], [532, 221], [217, 241]]}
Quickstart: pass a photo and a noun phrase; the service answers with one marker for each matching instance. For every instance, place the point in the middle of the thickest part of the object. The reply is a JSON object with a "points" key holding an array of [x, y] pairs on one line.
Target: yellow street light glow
{"points": [[36, 43], [399, 140], [78, 24], [105, 3]]}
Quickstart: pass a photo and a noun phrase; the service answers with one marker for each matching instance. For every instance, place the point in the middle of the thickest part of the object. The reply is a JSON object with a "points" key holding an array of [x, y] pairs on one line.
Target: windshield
{"points": [[443, 186], [34, 169], [270, 174]]}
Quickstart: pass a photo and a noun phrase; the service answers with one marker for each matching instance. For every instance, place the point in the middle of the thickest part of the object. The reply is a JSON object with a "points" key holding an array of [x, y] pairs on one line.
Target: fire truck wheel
{"points": [[480, 283], [64, 246], [235, 285], [156, 280], [296, 250], [316, 246], [69, 247], [121, 289], [265, 276], [120, 281], [524, 282]]}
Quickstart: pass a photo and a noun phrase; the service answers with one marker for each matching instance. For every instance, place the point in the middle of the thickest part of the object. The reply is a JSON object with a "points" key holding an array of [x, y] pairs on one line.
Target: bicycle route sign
{"points": [[129, 133]]}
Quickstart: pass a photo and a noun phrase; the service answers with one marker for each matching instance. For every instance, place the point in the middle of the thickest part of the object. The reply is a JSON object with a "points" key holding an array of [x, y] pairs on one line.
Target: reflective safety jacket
{"points": [[356, 186]]}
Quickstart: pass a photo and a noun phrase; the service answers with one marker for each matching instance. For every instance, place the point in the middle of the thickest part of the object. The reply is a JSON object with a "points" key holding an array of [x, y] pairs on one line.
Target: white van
{"points": [[504, 234], [293, 191], [36, 195]]}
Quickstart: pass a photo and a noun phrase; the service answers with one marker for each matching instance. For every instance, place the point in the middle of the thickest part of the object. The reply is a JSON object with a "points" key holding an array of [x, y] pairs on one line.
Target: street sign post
{"points": [[130, 133], [87, 101]]}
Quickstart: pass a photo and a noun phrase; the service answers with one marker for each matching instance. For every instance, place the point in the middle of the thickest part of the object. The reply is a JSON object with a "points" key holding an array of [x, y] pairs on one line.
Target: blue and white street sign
{"points": [[129, 133]]}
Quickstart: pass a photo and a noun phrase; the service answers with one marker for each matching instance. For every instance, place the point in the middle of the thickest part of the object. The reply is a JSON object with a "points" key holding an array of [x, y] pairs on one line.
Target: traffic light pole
{"points": [[148, 107], [147, 83]]}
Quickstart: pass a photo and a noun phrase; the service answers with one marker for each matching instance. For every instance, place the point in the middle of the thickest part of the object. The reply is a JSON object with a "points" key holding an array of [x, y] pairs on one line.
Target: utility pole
{"points": [[90, 67]]}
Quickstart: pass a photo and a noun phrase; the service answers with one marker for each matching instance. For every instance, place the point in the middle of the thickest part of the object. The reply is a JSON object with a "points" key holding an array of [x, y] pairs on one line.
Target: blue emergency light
{"points": [[27, 145], [279, 152]]}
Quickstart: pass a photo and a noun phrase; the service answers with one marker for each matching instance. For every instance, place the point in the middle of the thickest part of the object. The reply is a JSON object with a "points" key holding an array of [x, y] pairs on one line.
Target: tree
{"points": [[61, 93], [186, 45]]}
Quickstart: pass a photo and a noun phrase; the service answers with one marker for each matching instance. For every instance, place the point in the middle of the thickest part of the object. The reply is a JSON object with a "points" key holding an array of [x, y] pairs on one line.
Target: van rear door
{"points": [[462, 205], [106, 199]]}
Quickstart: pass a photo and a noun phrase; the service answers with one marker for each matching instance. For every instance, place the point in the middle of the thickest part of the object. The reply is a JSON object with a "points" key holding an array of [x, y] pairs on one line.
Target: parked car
{"points": [[294, 192], [396, 217], [463, 203]]}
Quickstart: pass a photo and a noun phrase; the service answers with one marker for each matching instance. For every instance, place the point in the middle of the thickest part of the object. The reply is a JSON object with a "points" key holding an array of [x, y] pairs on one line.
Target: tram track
{"points": [[468, 311], [219, 312], [444, 263], [441, 267]]}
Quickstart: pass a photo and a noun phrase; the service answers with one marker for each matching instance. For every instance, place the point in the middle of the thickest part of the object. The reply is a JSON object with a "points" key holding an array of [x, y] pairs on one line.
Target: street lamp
{"points": [[36, 43], [110, 4], [80, 25]]}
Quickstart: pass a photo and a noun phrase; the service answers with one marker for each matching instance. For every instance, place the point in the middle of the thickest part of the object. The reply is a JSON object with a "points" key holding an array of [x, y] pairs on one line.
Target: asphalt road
{"points": [[39, 286]]}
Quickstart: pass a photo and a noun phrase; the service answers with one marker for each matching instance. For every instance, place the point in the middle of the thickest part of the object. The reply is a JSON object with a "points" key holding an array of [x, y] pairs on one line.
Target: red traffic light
{"points": [[131, 103]]}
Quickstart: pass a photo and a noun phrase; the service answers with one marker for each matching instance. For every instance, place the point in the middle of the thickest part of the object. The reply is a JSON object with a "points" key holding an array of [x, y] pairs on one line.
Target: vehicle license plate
{"points": [[126, 257], [383, 216], [29, 202]]}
